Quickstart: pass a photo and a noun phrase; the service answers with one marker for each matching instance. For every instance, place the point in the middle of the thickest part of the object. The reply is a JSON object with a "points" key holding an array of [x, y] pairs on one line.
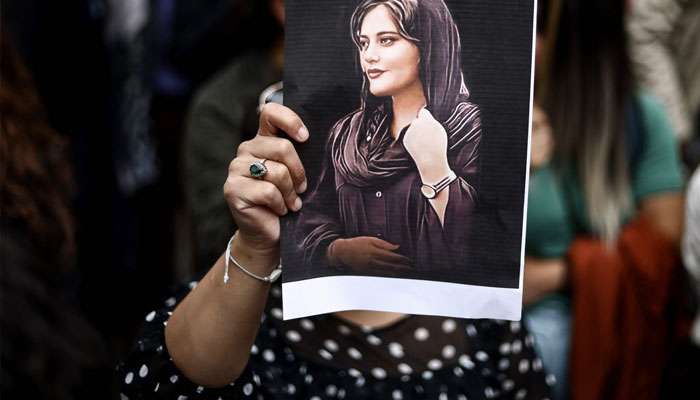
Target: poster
{"points": [[419, 120]]}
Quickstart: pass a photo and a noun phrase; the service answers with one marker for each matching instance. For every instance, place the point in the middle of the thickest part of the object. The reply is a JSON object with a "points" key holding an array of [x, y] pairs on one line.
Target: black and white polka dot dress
{"points": [[323, 357]]}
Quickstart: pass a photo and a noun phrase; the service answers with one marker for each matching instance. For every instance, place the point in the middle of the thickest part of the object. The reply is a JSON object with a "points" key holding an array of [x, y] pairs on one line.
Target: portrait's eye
{"points": [[363, 43], [387, 41]]}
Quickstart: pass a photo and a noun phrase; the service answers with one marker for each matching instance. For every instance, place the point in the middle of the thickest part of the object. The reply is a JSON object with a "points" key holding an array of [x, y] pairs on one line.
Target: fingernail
{"points": [[302, 187], [297, 204], [303, 133]]}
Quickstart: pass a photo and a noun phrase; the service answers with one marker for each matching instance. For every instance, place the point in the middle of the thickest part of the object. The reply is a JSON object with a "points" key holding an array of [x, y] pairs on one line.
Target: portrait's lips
{"points": [[374, 73]]}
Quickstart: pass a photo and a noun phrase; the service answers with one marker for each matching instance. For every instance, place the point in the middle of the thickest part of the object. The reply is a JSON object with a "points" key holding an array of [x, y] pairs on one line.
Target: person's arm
{"points": [[649, 25], [657, 177], [209, 335], [426, 142], [543, 276], [665, 211]]}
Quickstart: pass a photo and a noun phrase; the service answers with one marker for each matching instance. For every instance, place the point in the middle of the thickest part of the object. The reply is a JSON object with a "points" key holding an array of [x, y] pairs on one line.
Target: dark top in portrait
{"points": [[374, 188]]}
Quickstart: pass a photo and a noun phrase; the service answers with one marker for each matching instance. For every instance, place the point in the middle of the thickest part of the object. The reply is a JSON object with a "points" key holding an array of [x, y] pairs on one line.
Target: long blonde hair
{"points": [[589, 92]]}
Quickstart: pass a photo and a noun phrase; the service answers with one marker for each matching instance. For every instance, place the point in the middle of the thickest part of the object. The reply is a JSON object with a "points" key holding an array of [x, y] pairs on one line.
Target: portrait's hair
{"points": [[429, 25]]}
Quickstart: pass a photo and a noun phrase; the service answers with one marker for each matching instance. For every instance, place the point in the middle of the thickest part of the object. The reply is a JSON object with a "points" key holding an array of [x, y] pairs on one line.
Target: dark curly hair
{"points": [[36, 183], [49, 350]]}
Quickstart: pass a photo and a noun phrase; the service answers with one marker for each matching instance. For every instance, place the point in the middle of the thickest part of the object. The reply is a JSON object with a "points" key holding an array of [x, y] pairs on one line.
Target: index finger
{"points": [[276, 116], [382, 244]]}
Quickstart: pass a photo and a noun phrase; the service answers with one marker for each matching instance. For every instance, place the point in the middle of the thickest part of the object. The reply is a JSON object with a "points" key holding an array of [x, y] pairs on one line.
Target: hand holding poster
{"points": [[417, 162]]}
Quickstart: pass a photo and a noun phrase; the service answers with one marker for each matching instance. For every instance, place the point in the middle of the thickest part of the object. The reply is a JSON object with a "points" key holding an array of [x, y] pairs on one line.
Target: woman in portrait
{"points": [[399, 181]]}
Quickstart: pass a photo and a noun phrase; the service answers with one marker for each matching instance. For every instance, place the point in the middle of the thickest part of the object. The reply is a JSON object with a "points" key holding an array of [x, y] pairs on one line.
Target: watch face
{"points": [[427, 191]]}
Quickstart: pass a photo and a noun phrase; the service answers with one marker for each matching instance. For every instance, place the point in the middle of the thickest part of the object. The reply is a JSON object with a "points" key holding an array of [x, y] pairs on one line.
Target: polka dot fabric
{"points": [[324, 357]]}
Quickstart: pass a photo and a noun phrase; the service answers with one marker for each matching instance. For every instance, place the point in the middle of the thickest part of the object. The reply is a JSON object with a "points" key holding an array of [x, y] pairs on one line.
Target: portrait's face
{"points": [[390, 62]]}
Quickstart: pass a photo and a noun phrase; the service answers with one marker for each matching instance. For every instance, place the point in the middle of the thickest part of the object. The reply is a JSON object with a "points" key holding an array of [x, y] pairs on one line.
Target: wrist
{"points": [[259, 259], [330, 256], [432, 174], [559, 272], [256, 247]]}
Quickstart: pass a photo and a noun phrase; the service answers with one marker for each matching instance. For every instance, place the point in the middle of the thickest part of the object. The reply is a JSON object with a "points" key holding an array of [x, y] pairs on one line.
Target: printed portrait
{"points": [[406, 177]]}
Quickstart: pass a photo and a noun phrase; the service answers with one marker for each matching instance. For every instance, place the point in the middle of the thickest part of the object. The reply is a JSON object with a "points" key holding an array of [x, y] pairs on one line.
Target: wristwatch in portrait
{"points": [[430, 191]]}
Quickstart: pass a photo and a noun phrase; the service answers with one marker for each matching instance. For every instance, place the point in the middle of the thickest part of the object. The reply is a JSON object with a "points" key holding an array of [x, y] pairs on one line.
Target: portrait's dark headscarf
{"points": [[429, 25]]}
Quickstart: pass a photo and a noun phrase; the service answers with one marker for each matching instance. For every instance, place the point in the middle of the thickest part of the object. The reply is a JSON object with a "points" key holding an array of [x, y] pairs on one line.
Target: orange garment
{"points": [[621, 331]]}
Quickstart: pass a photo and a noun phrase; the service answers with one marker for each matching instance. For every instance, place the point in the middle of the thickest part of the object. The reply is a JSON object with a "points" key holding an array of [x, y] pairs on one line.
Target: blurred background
{"points": [[108, 83], [106, 199]]}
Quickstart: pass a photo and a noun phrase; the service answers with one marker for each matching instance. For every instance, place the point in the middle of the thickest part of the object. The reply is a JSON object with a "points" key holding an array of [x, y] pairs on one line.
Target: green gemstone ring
{"points": [[258, 169]]}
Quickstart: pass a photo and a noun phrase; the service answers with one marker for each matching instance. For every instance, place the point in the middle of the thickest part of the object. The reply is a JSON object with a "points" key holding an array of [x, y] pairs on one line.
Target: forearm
{"points": [[210, 333], [543, 276], [665, 211]]}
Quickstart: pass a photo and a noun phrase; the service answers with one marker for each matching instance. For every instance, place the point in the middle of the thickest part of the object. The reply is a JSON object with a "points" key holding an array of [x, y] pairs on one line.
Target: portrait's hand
{"points": [[256, 204], [426, 142], [367, 252], [542, 143]]}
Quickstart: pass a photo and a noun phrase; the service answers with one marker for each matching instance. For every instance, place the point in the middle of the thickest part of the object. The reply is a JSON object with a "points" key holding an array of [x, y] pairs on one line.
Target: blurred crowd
{"points": [[119, 119]]}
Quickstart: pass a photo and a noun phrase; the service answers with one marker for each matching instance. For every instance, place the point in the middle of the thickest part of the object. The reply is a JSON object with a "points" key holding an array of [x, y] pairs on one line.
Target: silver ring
{"points": [[258, 169]]}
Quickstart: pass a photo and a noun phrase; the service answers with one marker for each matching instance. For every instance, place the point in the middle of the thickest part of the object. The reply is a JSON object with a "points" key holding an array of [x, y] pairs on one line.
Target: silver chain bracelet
{"points": [[274, 275]]}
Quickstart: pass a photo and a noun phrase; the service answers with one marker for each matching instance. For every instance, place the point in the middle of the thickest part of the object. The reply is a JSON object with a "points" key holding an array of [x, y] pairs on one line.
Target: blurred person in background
{"points": [[115, 77], [690, 251], [49, 350], [79, 78], [223, 113], [604, 214], [666, 59]]}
